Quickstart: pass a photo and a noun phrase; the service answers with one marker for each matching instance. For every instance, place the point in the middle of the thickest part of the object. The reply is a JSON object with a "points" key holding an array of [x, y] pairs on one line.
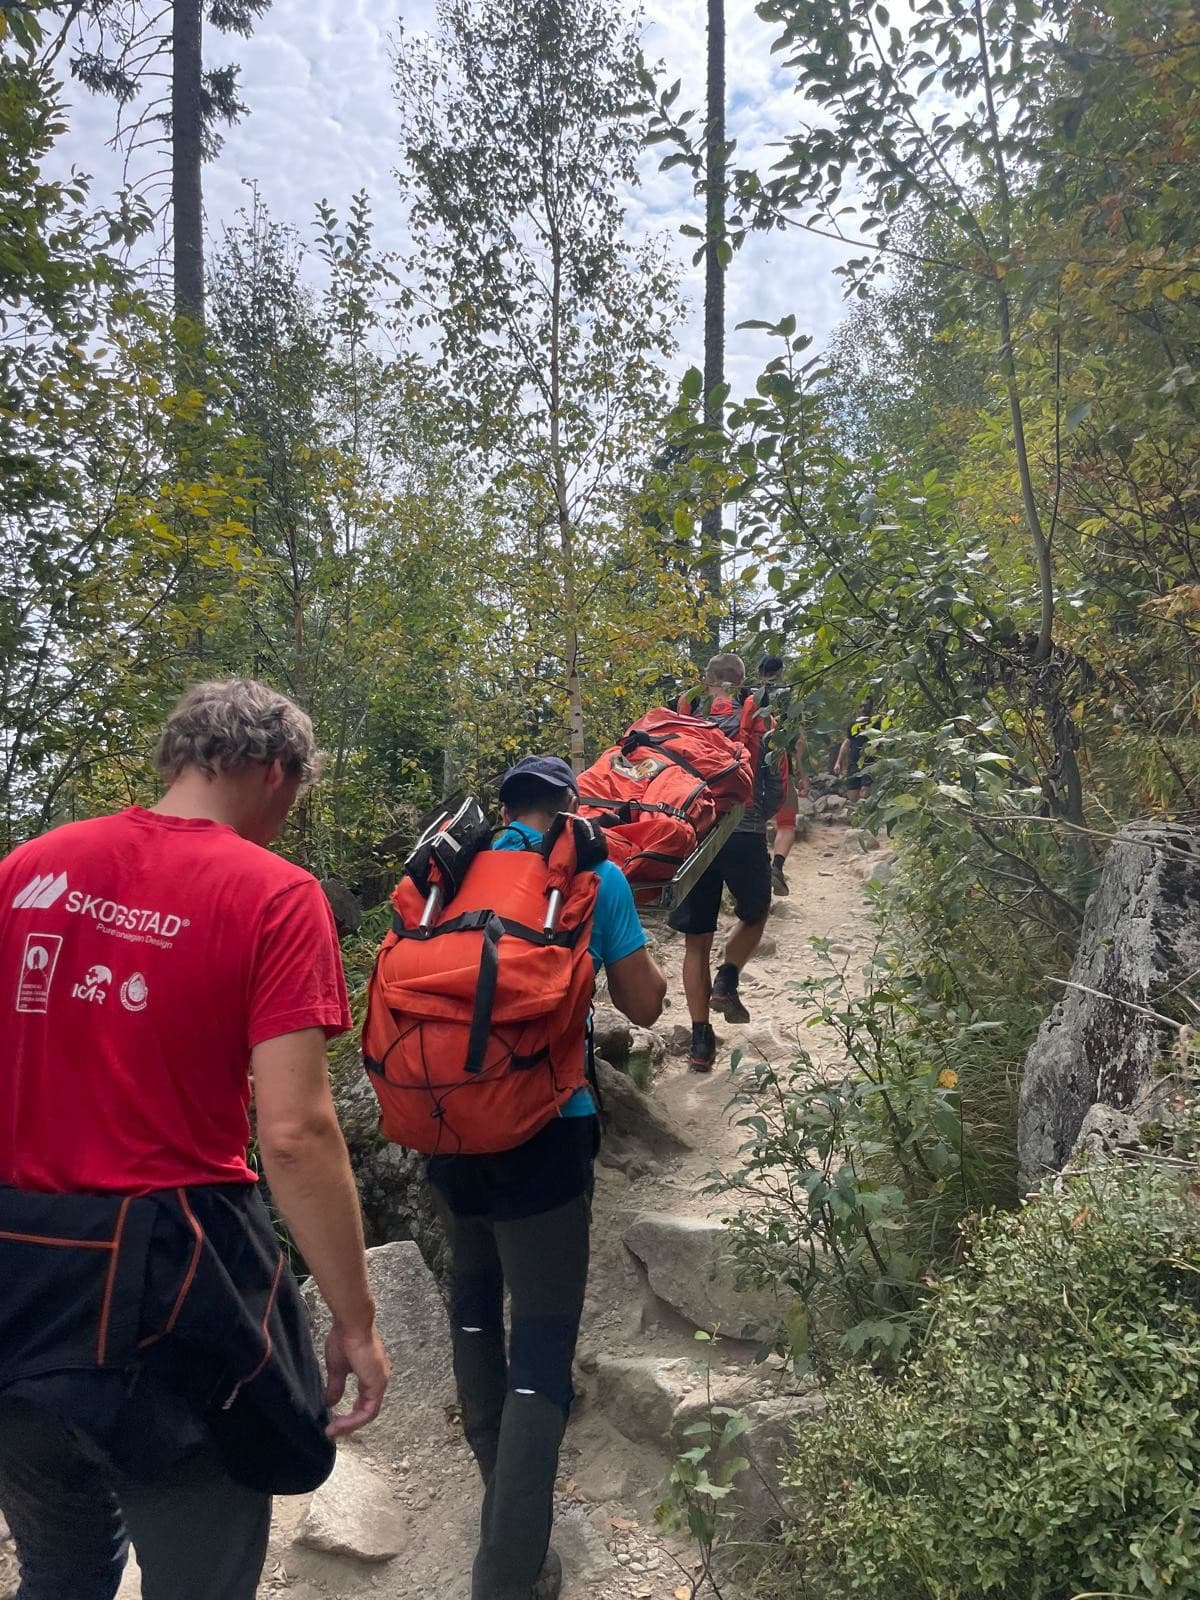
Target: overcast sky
{"points": [[322, 124]]}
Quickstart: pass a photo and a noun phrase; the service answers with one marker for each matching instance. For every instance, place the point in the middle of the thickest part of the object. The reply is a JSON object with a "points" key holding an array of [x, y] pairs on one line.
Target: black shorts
{"points": [[743, 866], [543, 1173]]}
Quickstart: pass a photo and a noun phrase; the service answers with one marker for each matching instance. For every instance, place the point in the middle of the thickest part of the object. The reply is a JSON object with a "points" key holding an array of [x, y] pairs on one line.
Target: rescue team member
{"points": [[157, 1376], [519, 1221], [853, 761], [742, 865], [771, 690]]}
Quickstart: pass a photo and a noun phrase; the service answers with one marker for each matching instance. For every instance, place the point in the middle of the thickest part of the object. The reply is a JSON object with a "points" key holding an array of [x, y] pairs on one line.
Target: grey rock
{"points": [[861, 839], [392, 1186], [762, 1042], [9, 1576], [1140, 936], [759, 1495], [1104, 1133], [344, 903], [353, 1513], [411, 1316], [878, 869], [688, 1265], [639, 1395], [630, 1114], [767, 947], [613, 1035], [679, 1040], [647, 1055]]}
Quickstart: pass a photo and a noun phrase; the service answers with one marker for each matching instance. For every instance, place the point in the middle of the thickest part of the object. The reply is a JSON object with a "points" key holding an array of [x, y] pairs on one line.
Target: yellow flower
{"points": [[948, 1078]]}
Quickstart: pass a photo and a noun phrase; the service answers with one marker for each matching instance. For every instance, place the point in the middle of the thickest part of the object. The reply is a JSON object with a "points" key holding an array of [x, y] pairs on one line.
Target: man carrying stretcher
{"points": [[742, 865]]}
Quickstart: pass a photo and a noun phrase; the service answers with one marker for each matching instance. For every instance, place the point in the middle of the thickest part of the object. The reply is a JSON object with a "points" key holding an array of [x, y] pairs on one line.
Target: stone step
{"points": [[688, 1266], [658, 1402]]}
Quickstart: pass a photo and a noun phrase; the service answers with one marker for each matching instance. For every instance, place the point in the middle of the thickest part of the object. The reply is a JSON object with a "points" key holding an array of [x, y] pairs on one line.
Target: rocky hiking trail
{"points": [[397, 1519]]}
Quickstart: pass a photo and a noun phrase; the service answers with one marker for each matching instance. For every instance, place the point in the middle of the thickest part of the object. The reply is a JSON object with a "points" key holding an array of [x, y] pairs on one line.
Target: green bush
{"points": [[1042, 1444], [854, 1177]]}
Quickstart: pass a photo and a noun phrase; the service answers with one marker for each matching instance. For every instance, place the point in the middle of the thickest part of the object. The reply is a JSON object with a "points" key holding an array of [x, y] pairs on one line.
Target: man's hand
{"points": [[365, 1357]]}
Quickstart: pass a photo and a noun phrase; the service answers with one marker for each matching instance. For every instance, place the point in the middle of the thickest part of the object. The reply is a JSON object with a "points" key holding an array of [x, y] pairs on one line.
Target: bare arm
{"points": [[637, 987], [305, 1160], [843, 755]]}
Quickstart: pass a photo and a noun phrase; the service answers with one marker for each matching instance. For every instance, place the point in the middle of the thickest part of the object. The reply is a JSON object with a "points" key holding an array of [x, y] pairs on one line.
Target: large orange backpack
{"points": [[741, 716], [475, 1029]]}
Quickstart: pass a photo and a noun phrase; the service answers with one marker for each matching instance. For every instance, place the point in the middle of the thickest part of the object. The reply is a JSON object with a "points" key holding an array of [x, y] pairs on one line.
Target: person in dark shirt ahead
{"points": [[157, 1377]]}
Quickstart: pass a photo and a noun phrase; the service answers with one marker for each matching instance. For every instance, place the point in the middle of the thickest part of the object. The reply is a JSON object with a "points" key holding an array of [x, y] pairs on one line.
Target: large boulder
{"points": [[392, 1187], [630, 1114], [1140, 939], [688, 1266], [411, 1316]]}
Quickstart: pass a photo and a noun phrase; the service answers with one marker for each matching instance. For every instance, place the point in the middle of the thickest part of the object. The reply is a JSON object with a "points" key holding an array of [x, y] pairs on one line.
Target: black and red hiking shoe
{"points": [[704, 1047], [725, 997]]}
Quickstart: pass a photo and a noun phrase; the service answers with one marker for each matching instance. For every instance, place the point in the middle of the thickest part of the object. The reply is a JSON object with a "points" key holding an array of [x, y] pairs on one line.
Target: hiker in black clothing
{"points": [[742, 865], [853, 758], [518, 1221]]}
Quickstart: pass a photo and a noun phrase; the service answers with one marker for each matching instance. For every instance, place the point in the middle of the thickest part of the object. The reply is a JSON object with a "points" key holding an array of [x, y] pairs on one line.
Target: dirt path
{"points": [[630, 1350]]}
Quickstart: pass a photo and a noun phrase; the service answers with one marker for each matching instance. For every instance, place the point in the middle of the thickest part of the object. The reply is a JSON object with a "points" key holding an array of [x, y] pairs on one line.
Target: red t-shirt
{"points": [[142, 958]]}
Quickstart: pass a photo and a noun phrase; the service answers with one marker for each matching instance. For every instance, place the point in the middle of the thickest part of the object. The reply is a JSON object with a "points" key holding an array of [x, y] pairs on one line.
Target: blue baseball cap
{"points": [[550, 770]]}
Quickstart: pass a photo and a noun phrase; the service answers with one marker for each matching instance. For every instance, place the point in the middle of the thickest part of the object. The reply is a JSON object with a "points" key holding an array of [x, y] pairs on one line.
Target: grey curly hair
{"points": [[729, 670], [223, 727]]}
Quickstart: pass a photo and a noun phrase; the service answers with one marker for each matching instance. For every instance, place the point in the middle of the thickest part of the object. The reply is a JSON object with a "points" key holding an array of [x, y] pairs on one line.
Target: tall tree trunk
{"points": [[187, 148], [566, 531], [714, 287]]}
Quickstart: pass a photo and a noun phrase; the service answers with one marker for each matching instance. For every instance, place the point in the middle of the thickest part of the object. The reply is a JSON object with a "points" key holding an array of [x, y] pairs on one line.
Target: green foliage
{"points": [[854, 1177], [701, 1479], [1041, 1444], [551, 332], [122, 49]]}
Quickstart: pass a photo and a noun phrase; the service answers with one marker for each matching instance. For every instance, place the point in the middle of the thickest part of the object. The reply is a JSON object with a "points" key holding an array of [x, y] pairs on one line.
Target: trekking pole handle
{"points": [[433, 905], [553, 910]]}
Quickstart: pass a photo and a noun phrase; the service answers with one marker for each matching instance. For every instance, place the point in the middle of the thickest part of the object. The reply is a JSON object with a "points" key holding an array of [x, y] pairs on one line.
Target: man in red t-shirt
{"points": [[153, 961]]}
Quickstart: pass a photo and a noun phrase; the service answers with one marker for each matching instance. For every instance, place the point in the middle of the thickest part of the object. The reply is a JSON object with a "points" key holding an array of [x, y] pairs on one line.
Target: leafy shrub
{"points": [[853, 1181], [1042, 1444]]}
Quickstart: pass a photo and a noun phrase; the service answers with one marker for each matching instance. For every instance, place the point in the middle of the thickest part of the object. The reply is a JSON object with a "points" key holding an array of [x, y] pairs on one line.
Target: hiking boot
{"points": [[704, 1048], [550, 1578], [779, 884], [725, 997]]}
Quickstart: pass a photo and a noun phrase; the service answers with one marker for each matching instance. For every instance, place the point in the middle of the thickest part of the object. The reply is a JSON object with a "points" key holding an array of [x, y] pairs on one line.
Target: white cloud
{"points": [[317, 79]]}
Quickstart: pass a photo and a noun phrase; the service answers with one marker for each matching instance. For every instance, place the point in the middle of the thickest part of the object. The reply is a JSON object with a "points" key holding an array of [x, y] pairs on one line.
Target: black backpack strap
{"points": [[485, 994], [589, 1068]]}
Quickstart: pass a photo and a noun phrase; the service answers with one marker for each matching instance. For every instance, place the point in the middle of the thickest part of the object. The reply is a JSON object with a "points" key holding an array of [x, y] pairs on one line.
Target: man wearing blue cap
{"points": [[519, 1221]]}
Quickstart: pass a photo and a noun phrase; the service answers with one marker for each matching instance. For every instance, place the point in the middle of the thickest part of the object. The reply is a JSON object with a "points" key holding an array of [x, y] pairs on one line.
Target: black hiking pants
{"points": [[516, 1393], [198, 1534]]}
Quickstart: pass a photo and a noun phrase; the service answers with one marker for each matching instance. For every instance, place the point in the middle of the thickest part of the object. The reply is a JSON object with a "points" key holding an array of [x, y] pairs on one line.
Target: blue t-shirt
{"points": [[617, 931]]}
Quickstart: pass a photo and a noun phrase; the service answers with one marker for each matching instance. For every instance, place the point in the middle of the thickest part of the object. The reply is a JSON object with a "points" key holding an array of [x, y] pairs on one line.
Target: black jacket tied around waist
{"points": [[143, 1320]]}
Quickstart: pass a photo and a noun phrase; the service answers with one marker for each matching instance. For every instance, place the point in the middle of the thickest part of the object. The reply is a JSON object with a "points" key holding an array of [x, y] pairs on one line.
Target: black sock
{"points": [[778, 862], [727, 975], [700, 1033]]}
